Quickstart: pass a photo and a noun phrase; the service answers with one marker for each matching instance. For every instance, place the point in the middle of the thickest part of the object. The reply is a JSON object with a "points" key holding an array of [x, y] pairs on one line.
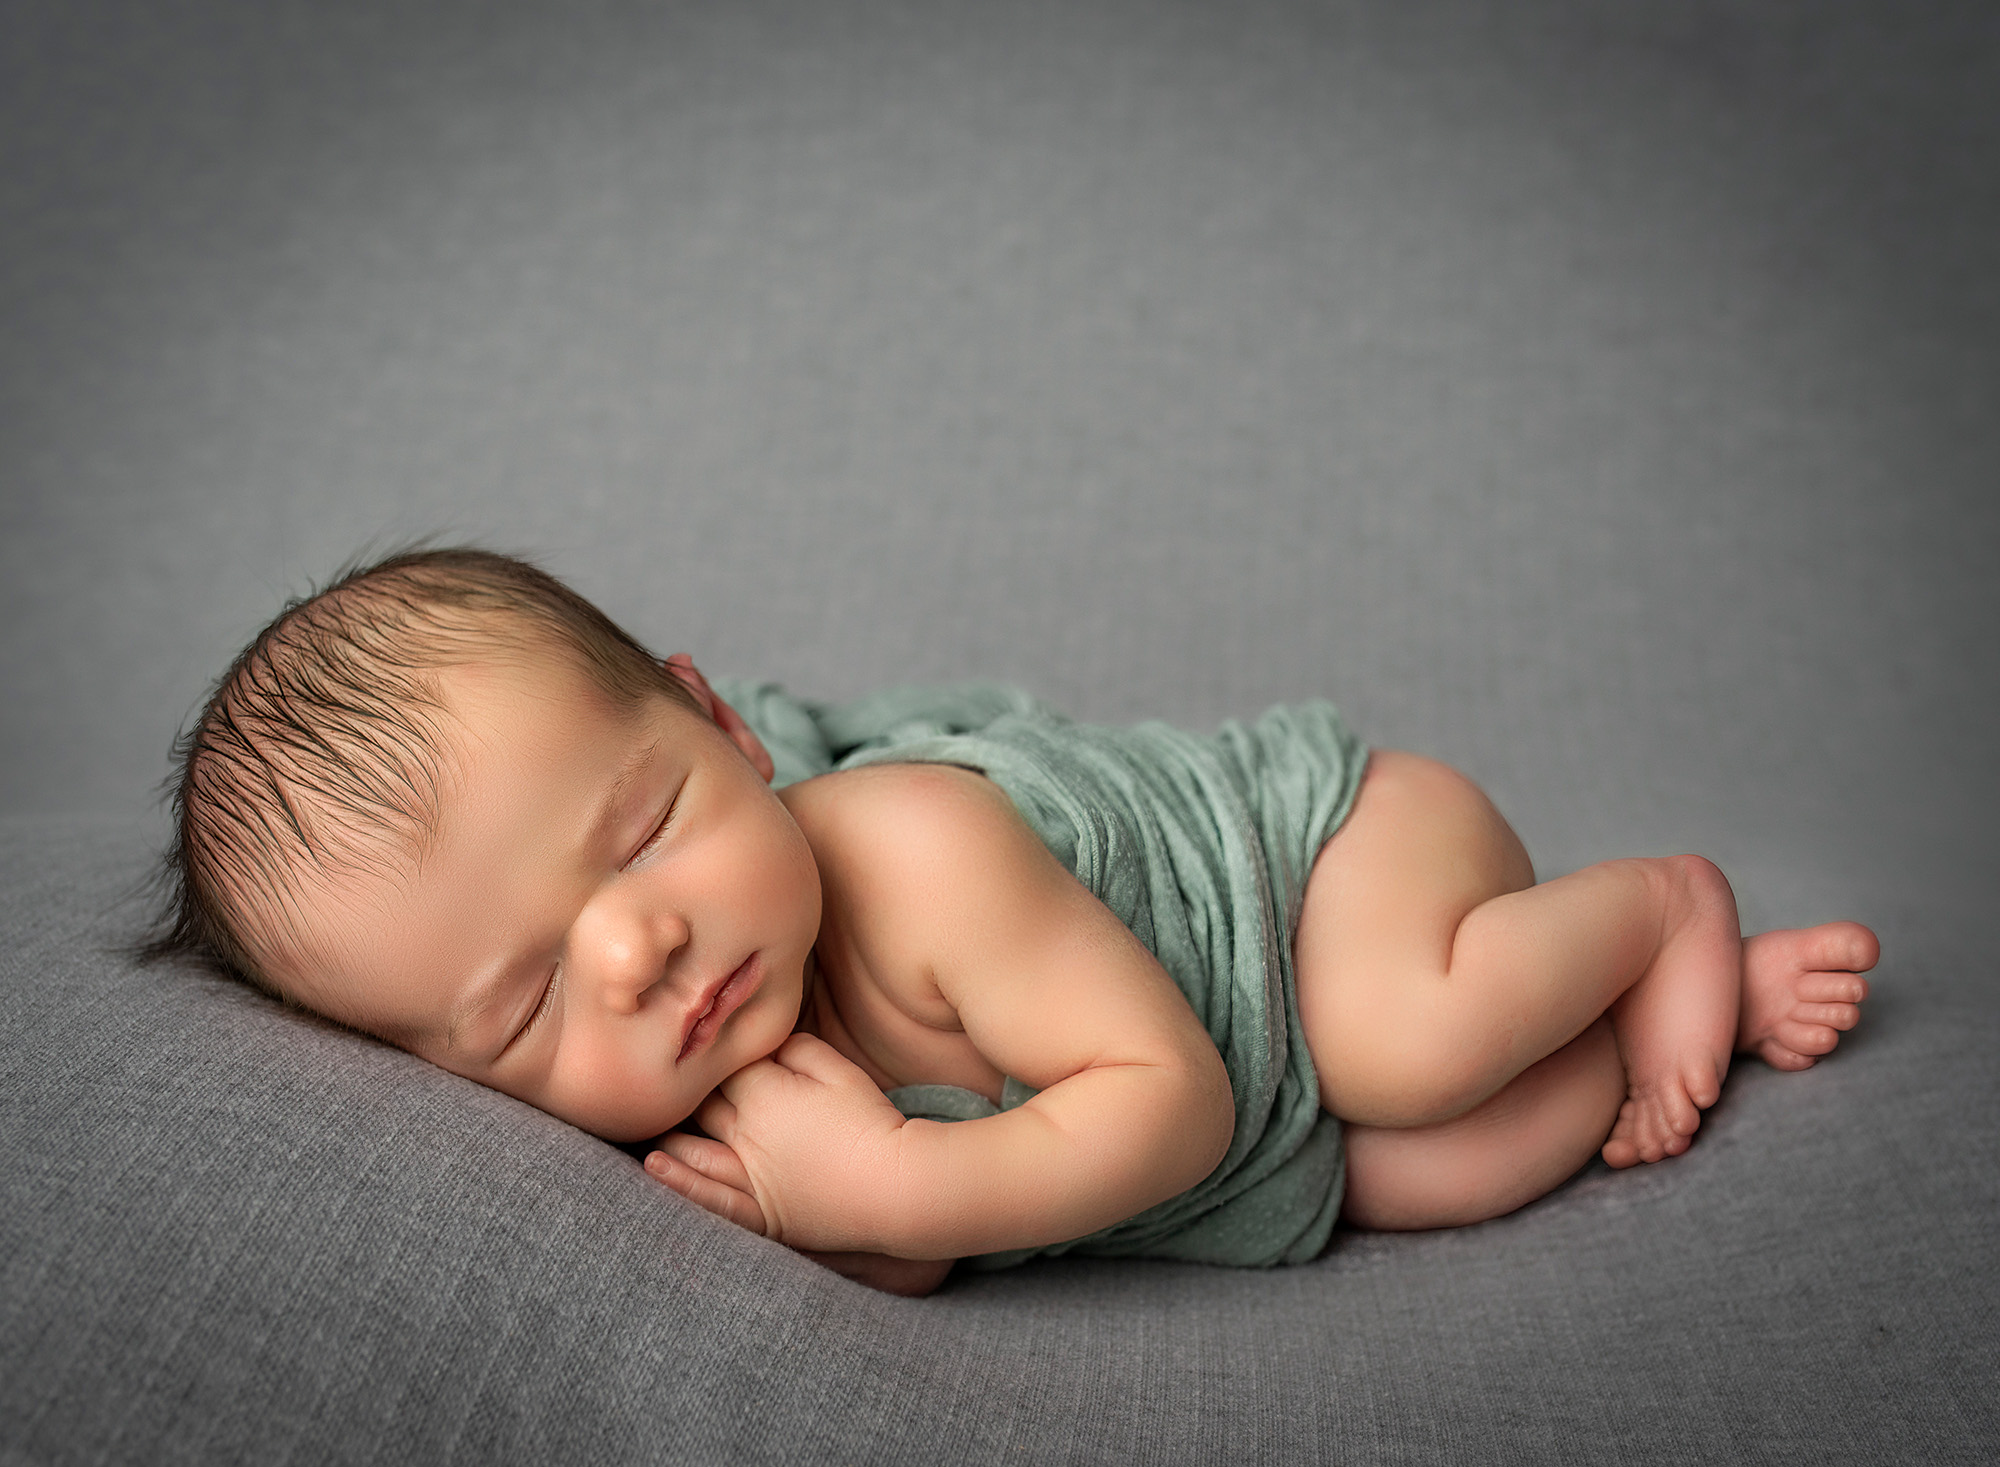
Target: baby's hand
{"points": [[804, 1151], [708, 1174]]}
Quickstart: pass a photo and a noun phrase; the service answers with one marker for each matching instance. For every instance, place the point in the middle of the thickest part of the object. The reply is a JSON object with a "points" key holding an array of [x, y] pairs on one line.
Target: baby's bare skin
{"points": [[1677, 1024], [1453, 1005], [1801, 990], [1784, 996]]}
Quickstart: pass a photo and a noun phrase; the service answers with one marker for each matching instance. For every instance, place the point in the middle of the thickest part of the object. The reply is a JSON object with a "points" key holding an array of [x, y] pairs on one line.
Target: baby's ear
{"points": [[726, 718]]}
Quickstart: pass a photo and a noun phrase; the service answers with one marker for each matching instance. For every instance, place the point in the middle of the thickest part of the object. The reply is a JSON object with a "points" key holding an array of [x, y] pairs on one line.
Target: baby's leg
{"points": [[1431, 972], [1500, 1155], [1799, 990]]}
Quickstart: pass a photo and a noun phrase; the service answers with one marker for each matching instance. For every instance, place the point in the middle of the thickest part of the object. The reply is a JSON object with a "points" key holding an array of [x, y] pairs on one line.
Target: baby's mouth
{"points": [[717, 1004]]}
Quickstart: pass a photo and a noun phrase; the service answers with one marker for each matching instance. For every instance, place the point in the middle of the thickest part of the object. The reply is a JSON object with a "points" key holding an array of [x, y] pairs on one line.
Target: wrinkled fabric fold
{"points": [[1201, 845]]}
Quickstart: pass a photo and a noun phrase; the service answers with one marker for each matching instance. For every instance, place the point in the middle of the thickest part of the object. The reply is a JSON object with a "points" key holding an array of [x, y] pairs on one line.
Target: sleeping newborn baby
{"points": [[940, 974]]}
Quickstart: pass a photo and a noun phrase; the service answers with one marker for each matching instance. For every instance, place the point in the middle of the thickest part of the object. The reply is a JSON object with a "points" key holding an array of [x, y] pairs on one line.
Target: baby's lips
{"points": [[715, 1004]]}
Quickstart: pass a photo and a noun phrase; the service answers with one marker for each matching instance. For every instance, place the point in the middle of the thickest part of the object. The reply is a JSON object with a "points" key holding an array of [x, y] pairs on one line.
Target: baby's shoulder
{"points": [[881, 827], [881, 803], [912, 859], [916, 859]]}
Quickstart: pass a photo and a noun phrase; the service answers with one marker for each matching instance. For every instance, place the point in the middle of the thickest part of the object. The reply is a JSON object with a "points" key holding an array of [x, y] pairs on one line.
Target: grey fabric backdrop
{"points": [[1599, 397]]}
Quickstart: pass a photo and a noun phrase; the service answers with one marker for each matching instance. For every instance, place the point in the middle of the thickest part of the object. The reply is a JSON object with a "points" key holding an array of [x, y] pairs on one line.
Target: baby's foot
{"points": [[1675, 1026], [1800, 989]]}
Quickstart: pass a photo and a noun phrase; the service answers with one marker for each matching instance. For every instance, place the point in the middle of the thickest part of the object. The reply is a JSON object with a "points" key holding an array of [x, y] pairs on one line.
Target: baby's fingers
{"points": [[706, 1192], [717, 1116], [711, 1158], [809, 1055]]}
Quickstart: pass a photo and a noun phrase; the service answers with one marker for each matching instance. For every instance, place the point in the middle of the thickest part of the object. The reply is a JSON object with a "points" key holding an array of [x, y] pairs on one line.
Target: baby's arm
{"points": [[954, 906]]}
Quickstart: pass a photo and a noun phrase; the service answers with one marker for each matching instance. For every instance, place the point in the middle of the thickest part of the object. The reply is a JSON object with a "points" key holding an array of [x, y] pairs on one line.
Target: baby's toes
{"points": [[1704, 1088], [1847, 946], [1620, 1148], [1778, 1057], [1840, 988], [1660, 1133], [1841, 1016], [1646, 1143], [1806, 1039], [1679, 1113], [1620, 1152], [1680, 1131]]}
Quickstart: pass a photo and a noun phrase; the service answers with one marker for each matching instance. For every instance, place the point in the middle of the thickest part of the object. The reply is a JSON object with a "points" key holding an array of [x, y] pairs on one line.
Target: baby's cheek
{"points": [[600, 1092]]}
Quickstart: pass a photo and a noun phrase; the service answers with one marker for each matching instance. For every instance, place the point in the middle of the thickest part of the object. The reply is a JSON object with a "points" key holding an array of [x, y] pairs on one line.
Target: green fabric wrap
{"points": [[1202, 847]]}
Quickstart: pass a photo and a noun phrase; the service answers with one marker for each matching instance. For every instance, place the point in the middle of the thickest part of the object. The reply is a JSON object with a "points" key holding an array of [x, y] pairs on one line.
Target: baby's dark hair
{"points": [[322, 746]]}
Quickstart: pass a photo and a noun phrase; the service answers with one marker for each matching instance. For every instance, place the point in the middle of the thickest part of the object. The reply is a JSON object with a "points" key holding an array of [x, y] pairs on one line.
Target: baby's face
{"points": [[614, 915]]}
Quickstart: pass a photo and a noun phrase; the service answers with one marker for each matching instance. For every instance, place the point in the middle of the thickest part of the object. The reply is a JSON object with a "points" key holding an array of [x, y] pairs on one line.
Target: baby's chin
{"points": [[641, 1136], [646, 1130], [652, 1130]]}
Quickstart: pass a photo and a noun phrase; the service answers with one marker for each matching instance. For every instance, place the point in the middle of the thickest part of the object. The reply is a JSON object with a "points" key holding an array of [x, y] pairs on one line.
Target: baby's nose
{"points": [[628, 974], [635, 957]]}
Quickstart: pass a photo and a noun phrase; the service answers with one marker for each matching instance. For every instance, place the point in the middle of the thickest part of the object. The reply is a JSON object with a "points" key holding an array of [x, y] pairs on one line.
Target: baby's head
{"points": [[448, 802]]}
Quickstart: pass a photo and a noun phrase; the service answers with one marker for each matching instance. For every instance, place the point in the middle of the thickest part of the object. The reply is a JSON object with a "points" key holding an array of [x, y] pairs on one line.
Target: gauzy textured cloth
{"points": [[1202, 847]]}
